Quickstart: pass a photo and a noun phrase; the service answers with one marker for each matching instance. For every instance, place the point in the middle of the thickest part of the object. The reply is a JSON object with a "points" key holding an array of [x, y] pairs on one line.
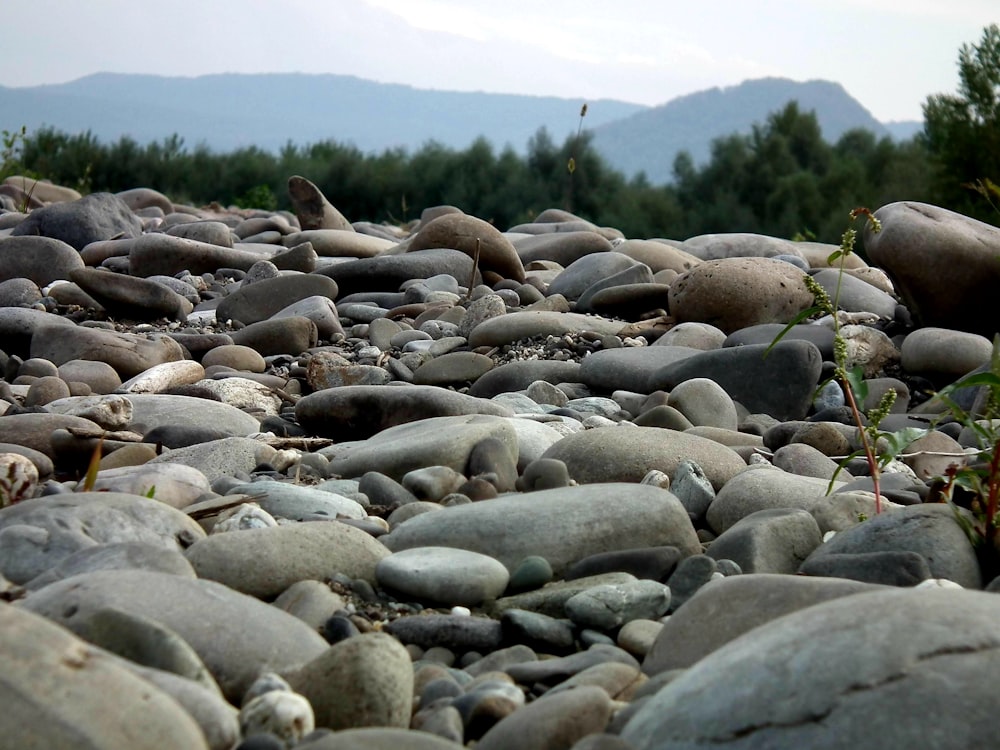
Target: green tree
{"points": [[962, 130]]}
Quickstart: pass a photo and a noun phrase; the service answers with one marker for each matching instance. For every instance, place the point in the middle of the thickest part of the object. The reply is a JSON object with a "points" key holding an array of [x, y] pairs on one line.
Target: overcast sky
{"points": [[889, 54]]}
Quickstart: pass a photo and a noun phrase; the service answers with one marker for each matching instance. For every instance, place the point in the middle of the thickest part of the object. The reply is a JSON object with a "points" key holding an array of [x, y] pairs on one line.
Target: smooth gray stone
{"points": [[851, 686], [781, 384], [153, 410], [263, 562], [37, 534], [547, 634], [777, 540], [259, 301], [942, 264], [654, 563], [524, 324], [690, 575], [738, 245], [131, 297], [694, 335], [34, 430], [19, 324], [856, 295], [887, 568], [115, 556], [629, 368], [765, 333], [627, 454], [213, 232], [362, 681], [386, 273], [587, 270], [311, 601], [638, 273], [562, 525], [551, 598], [518, 375], [18, 292], [610, 606], [292, 335], [456, 633], [220, 458], [286, 500], [379, 738], [704, 403], [443, 575], [95, 217], [359, 412], [563, 248], [553, 671], [556, 720], [61, 692], [320, 310], [727, 608], [39, 259], [761, 488], [237, 636], [129, 353], [930, 530], [161, 254], [437, 441]]}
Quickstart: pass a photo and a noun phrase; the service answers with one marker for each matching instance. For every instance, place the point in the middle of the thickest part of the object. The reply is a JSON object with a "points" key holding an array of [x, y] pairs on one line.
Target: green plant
{"points": [[851, 380]]}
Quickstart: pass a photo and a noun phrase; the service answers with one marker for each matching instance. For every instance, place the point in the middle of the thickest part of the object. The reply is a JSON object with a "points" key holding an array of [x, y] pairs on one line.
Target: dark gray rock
{"points": [[781, 383], [929, 530], [777, 540], [259, 301], [851, 686], [39, 259], [385, 273], [131, 297], [887, 568], [98, 216]]}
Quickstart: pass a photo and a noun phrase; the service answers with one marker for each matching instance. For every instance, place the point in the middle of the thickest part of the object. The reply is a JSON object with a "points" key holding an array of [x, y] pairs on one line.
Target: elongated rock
{"points": [[562, 525]]}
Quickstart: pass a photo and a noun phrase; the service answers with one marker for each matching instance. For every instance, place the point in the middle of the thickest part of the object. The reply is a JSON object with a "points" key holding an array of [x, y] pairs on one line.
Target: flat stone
{"points": [[627, 454], [443, 575], [562, 525]]}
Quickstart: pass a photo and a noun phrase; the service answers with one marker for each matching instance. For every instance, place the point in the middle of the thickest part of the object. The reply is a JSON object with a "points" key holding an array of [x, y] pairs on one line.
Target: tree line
{"points": [[781, 179]]}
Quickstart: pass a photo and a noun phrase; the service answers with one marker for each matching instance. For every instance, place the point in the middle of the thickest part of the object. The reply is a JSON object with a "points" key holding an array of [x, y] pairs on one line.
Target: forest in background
{"points": [[782, 179]]}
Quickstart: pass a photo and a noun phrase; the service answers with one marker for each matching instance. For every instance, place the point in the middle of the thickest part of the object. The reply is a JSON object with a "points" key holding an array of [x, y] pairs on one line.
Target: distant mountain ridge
{"points": [[230, 111], [692, 122]]}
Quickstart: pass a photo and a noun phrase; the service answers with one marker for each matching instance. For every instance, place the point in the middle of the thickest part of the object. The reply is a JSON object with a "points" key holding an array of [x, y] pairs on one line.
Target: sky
{"points": [[889, 54]]}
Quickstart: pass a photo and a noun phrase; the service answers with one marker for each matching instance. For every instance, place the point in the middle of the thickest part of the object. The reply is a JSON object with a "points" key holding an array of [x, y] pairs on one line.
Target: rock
{"points": [[474, 237], [98, 216], [130, 354], [518, 375], [590, 269], [455, 368], [846, 693], [19, 325], [776, 540], [563, 248], [37, 534], [856, 295], [944, 354], [729, 607], [161, 410], [886, 568], [386, 273], [131, 297], [529, 323], [320, 310], [40, 259], [296, 502], [739, 245], [627, 454], [70, 694], [929, 530], [629, 368], [552, 721], [761, 488], [704, 402], [339, 243], [160, 254], [361, 411], [781, 384], [734, 293], [443, 575], [941, 263], [115, 556], [610, 606], [261, 300], [284, 714], [312, 208], [265, 562], [378, 738], [562, 525], [220, 458], [653, 563], [236, 636], [456, 633], [278, 336]]}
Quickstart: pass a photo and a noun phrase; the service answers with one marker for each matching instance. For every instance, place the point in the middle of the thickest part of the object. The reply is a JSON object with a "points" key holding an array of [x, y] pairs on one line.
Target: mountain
{"points": [[648, 141], [230, 111], [902, 130]]}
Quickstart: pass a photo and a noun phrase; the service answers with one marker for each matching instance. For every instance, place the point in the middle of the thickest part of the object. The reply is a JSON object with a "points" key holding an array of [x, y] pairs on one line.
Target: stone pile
{"points": [[276, 479]]}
